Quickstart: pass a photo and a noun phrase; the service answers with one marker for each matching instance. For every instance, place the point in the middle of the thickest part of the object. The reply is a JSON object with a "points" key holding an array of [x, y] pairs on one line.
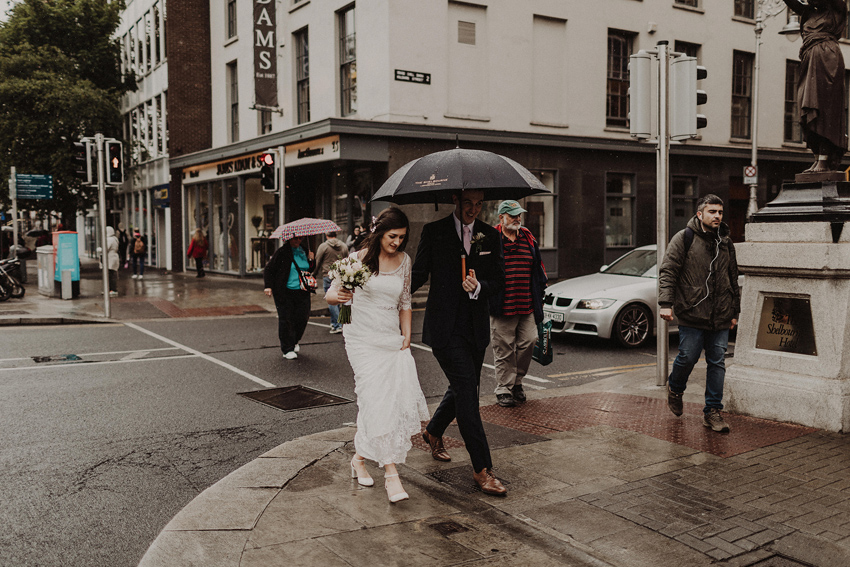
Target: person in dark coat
{"points": [[463, 258], [698, 280], [282, 281], [820, 87]]}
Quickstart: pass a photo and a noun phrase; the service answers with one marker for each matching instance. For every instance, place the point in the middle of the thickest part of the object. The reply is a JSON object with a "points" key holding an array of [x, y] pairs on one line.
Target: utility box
{"points": [[46, 264], [67, 259]]}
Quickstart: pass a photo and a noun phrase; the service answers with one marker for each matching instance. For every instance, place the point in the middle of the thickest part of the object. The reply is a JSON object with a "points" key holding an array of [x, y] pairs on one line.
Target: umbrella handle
{"points": [[462, 268]]}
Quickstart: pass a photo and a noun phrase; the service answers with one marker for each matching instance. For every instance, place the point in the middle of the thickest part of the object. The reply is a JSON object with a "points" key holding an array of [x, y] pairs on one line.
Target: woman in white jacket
{"points": [[112, 260]]}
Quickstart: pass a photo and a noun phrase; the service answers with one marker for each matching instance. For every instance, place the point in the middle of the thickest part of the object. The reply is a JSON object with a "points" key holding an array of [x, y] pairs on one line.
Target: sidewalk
{"points": [[599, 474], [159, 294]]}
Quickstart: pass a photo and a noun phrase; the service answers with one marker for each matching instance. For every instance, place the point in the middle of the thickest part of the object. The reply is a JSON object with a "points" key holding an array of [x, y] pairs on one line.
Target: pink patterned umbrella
{"points": [[304, 227]]}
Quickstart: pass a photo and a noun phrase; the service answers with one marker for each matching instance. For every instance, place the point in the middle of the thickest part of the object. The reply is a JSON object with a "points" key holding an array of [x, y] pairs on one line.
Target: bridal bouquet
{"points": [[349, 273]]}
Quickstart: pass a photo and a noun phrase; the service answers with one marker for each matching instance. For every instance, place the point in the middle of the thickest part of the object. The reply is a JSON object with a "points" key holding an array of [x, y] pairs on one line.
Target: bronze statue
{"points": [[820, 87]]}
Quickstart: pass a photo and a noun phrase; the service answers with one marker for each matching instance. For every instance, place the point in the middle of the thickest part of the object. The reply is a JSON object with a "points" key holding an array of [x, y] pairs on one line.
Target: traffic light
{"points": [[268, 171], [82, 162], [685, 97], [640, 95], [114, 163]]}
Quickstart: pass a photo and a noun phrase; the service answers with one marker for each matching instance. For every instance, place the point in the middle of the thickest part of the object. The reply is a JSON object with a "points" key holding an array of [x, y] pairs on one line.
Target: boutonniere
{"points": [[477, 242]]}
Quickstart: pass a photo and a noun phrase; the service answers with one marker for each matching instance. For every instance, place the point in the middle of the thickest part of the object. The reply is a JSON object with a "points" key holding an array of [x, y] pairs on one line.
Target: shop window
{"points": [[617, 104], [745, 9], [541, 216], [793, 130], [742, 94], [347, 62], [619, 210], [302, 71], [683, 193]]}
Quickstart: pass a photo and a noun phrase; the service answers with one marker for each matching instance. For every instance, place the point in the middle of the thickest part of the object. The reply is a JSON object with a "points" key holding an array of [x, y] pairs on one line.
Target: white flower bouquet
{"points": [[349, 273]]}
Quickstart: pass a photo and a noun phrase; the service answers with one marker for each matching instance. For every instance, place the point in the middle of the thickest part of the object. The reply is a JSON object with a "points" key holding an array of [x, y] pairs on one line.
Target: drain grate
{"points": [[291, 398], [448, 528], [460, 478]]}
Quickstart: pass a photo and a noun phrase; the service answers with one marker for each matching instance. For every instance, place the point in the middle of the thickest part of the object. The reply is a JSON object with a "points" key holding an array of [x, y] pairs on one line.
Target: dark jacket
{"points": [[329, 252], [538, 278], [276, 272], [439, 257], [701, 284]]}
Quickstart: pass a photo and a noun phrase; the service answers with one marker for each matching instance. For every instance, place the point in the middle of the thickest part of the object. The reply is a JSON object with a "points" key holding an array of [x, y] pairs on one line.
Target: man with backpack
{"points": [[698, 280], [140, 245]]}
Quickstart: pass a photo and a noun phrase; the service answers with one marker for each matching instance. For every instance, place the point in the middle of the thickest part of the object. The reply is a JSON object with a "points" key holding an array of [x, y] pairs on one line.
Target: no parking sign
{"points": [[751, 175]]}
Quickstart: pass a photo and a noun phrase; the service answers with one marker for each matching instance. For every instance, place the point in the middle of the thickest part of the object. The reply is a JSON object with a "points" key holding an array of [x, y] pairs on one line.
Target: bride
{"points": [[389, 399]]}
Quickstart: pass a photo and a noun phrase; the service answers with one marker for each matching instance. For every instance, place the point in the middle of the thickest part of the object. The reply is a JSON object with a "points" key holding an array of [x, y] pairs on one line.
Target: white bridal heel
{"points": [[398, 496], [361, 480]]}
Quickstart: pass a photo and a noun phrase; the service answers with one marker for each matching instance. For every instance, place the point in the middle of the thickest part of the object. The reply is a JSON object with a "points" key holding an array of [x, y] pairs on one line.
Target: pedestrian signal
{"points": [[114, 163], [268, 171]]}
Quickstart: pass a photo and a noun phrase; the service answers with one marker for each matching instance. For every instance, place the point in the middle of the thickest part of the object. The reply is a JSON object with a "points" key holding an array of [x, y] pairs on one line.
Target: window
{"points": [[265, 121], [347, 63], [160, 110], [619, 210], [157, 23], [742, 93], [231, 18], [466, 32], [691, 3], [793, 130], [148, 41], [689, 49], [131, 46], [302, 71], [233, 102], [745, 9], [683, 205], [617, 107]]}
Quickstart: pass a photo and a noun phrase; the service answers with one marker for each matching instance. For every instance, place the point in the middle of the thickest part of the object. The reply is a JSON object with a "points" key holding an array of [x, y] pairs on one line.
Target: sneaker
{"points": [[297, 348], [141, 277], [714, 420], [113, 294], [505, 400], [674, 401], [290, 355], [518, 394], [336, 330], [134, 276]]}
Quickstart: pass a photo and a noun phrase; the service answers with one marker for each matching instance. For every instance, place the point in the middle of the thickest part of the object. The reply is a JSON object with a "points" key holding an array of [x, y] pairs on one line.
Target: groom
{"points": [[457, 323]]}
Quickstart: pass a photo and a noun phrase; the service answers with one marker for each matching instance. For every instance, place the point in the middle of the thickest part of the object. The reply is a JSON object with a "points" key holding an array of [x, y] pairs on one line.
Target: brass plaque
{"points": [[786, 326]]}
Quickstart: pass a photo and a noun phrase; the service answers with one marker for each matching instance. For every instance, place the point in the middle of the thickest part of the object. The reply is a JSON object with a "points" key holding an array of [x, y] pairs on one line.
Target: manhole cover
{"points": [[779, 561], [448, 528], [460, 478], [290, 398]]}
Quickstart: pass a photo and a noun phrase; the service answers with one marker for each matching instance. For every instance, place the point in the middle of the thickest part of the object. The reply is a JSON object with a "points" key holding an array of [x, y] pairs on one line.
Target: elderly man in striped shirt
{"points": [[515, 313]]}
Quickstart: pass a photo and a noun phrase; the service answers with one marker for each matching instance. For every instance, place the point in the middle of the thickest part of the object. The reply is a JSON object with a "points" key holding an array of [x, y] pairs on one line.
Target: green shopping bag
{"points": [[543, 348]]}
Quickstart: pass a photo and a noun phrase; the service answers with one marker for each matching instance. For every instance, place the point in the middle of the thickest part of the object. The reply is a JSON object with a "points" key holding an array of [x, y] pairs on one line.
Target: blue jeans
{"points": [[691, 344], [334, 309]]}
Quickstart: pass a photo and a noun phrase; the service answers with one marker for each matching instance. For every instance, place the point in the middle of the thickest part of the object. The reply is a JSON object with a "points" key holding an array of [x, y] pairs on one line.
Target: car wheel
{"points": [[633, 326]]}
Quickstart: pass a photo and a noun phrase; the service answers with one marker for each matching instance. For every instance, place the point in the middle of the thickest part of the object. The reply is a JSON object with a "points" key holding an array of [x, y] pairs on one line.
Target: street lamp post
{"points": [[766, 9]]}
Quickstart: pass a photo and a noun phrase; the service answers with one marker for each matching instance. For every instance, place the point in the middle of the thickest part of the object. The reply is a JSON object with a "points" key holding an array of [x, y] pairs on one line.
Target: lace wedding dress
{"points": [[389, 399]]}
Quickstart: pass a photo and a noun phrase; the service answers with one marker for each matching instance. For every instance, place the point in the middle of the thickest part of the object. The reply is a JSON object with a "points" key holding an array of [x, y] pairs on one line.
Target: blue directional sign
{"points": [[34, 186]]}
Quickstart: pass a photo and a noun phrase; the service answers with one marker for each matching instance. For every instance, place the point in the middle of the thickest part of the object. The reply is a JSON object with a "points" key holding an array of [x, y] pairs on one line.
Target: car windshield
{"points": [[639, 263]]}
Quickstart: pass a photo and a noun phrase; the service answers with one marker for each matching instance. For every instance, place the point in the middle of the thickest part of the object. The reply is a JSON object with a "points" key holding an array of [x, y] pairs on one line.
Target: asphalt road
{"points": [[107, 431]]}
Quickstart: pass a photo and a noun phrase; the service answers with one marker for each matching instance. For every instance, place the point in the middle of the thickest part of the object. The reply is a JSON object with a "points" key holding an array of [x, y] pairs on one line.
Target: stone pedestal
{"points": [[790, 366]]}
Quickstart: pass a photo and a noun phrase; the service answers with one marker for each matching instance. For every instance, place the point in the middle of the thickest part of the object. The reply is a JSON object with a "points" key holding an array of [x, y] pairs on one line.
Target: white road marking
{"points": [[82, 354], [230, 367], [84, 363], [136, 355]]}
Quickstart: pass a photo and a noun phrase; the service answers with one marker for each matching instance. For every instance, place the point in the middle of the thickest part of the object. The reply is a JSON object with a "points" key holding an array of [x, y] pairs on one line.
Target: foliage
{"points": [[60, 80]]}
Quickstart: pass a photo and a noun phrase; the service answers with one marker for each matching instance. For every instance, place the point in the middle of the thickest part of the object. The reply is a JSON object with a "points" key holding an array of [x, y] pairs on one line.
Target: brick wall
{"points": [[189, 99]]}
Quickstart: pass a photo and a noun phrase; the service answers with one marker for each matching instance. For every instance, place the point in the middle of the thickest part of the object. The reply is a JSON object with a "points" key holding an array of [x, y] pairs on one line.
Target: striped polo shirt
{"points": [[518, 264]]}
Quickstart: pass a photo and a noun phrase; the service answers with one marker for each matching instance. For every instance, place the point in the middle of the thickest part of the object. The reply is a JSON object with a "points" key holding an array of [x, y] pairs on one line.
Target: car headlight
{"points": [[595, 303]]}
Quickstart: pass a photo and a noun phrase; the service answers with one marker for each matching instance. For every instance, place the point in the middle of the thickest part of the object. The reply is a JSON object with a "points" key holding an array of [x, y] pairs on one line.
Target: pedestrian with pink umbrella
{"points": [[288, 278]]}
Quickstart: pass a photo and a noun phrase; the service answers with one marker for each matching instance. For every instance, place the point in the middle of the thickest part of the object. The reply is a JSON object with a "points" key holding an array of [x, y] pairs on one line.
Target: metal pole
{"points": [[661, 203], [281, 181], [13, 185], [752, 206], [101, 205]]}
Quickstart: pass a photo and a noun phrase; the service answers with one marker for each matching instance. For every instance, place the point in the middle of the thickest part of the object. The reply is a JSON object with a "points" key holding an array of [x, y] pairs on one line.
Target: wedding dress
{"points": [[390, 402]]}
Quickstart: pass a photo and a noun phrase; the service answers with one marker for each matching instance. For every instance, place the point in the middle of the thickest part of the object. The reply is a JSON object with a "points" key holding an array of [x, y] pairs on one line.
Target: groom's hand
{"points": [[470, 284]]}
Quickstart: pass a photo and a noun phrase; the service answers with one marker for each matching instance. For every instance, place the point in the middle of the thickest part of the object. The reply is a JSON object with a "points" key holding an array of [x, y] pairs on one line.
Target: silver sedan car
{"points": [[618, 302]]}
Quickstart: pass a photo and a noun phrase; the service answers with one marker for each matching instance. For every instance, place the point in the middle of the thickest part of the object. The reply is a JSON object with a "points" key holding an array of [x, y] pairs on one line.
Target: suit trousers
{"points": [[293, 312], [461, 362], [513, 338]]}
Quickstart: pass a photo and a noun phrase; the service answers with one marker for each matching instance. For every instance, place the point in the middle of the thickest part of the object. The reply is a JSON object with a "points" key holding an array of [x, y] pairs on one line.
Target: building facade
{"points": [[351, 91]]}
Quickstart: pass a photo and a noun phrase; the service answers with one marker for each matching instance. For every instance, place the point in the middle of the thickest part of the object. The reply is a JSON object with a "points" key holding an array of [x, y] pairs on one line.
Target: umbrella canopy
{"points": [[433, 178], [304, 227]]}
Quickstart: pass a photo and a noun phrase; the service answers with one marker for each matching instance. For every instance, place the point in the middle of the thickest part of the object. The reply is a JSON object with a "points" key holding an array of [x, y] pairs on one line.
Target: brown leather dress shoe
{"points": [[489, 484], [437, 450]]}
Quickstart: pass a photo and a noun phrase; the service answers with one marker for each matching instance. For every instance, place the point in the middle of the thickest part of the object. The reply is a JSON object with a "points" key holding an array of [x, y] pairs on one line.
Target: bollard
{"points": [[67, 290]]}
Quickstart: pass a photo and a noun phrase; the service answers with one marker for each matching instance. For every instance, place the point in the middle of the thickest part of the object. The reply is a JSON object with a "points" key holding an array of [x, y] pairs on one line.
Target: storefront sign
{"points": [[226, 168], [413, 77], [323, 149], [160, 196], [786, 326], [265, 54]]}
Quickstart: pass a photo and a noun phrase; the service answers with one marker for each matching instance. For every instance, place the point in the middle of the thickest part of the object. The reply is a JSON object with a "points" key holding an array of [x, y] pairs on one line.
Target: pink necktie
{"points": [[467, 238]]}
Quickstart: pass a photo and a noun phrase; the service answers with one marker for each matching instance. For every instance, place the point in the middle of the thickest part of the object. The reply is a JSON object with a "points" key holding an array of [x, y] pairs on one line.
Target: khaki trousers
{"points": [[513, 338]]}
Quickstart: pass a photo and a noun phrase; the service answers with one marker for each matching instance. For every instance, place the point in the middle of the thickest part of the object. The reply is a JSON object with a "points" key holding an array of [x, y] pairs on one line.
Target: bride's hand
{"points": [[405, 344], [344, 295]]}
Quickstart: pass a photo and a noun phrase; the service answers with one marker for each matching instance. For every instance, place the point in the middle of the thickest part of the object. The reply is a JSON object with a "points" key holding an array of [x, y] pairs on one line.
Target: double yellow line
{"points": [[602, 371]]}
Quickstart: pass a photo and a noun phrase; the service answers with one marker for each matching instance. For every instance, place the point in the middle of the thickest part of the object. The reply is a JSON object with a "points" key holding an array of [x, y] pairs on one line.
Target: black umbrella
{"points": [[433, 178]]}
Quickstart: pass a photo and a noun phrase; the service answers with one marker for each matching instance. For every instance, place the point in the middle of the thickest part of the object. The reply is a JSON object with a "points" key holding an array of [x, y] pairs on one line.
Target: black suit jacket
{"points": [[439, 257]]}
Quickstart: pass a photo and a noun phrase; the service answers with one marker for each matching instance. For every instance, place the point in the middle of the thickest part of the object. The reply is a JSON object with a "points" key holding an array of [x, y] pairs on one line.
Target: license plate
{"points": [[552, 316]]}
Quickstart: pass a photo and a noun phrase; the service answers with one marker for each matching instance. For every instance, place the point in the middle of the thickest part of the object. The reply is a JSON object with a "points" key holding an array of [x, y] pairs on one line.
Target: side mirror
{"points": [[603, 268]]}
